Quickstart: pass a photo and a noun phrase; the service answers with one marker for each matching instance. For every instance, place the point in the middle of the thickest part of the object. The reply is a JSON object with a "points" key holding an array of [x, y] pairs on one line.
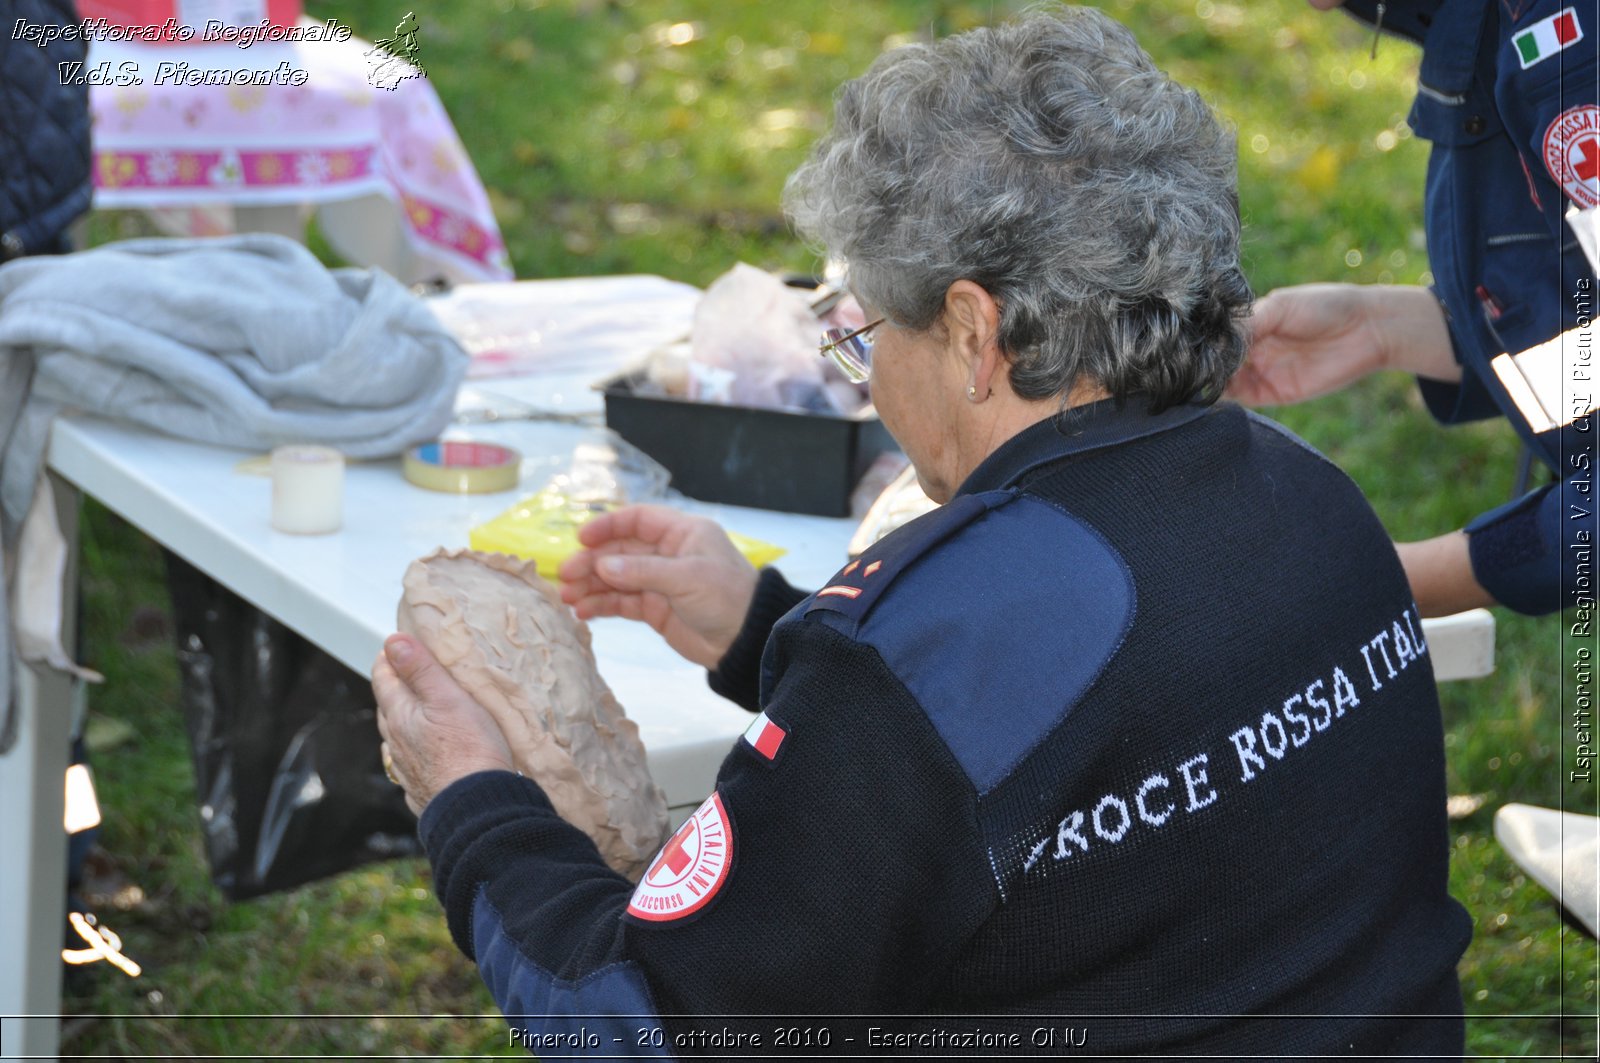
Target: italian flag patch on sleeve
{"points": [[765, 736], [1547, 37]]}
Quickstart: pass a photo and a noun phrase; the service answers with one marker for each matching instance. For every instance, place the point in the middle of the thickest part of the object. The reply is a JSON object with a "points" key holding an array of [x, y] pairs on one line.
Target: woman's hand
{"points": [[433, 732], [679, 574], [1314, 339]]}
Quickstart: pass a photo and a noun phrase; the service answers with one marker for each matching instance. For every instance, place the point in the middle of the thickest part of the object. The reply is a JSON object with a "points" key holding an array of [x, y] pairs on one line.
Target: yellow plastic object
{"points": [[543, 528]]}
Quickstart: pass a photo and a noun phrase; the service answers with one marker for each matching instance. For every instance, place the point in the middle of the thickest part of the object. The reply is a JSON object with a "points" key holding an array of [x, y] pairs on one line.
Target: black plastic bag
{"points": [[285, 742]]}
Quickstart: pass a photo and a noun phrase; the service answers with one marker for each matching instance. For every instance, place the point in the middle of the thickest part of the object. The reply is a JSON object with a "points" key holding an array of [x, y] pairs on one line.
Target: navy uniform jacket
{"points": [[1507, 96], [1135, 740], [44, 132]]}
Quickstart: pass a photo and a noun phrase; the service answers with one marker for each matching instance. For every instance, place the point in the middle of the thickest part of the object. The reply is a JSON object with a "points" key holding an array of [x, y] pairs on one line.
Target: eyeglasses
{"points": [[851, 351]]}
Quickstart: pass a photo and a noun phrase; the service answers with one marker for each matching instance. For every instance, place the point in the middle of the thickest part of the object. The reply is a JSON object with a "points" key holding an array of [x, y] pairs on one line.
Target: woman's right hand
{"points": [[1314, 339], [678, 573]]}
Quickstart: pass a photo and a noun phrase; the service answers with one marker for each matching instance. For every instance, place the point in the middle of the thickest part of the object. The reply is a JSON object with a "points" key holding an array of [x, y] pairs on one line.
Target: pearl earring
{"points": [[972, 392]]}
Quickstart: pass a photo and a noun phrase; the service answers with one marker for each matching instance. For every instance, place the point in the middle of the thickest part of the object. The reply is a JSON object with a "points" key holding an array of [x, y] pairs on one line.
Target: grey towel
{"points": [[246, 341]]}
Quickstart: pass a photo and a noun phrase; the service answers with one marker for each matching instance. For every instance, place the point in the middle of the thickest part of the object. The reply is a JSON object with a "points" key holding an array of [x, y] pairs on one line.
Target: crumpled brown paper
{"points": [[505, 635]]}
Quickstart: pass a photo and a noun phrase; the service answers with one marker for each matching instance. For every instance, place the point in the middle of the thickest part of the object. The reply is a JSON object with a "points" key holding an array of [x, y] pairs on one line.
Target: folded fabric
{"points": [[245, 341], [1560, 851]]}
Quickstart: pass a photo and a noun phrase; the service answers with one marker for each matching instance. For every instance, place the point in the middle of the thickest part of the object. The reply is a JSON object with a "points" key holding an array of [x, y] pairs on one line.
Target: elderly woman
{"points": [[1135, 737]]}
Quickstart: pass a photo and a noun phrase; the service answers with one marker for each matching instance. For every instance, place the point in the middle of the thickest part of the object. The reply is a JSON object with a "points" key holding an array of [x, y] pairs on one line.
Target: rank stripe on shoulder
{"points": [[855, 588]]}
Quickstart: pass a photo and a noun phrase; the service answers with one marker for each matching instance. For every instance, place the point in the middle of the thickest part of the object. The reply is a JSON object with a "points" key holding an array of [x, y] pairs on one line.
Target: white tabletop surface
{"points": [[340, 590]]}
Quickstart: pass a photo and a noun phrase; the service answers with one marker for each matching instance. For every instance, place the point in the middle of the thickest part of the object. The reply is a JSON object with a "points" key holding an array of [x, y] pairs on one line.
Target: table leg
{"points": [[33, 842]]}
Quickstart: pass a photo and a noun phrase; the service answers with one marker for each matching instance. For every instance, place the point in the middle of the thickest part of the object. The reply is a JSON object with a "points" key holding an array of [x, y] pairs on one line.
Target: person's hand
{"points": [[678, 573], [1307, 341], [1314, 339], [433, 731], [1441, 577]]}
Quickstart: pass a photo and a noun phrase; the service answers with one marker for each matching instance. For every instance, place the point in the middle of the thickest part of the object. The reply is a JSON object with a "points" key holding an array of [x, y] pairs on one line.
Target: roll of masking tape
{"points": [[463, 468], [307, 490]]}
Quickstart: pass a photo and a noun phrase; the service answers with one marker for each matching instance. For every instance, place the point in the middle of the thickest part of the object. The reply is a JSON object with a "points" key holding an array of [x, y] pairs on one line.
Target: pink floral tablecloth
{"points": [[383, 167]]}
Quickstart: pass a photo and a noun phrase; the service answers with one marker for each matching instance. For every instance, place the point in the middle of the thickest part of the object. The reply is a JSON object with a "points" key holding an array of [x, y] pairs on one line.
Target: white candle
{"points": [[307, 490]]}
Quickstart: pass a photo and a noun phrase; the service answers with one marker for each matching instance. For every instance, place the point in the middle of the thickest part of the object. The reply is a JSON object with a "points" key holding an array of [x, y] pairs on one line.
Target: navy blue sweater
{"points": [[1135, 740]]}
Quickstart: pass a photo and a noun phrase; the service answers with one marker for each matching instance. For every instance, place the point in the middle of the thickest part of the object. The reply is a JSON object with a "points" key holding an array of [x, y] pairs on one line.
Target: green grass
{"points": [[606, 149]]}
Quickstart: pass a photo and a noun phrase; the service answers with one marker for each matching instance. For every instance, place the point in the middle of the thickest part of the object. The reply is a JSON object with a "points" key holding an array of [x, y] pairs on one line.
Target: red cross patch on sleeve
{"points": [[690, 869], [1572, 153]]}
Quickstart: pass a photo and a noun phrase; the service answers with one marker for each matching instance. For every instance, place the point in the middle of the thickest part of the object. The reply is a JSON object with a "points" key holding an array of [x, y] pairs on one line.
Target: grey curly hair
{"points": [[1050, 162]]}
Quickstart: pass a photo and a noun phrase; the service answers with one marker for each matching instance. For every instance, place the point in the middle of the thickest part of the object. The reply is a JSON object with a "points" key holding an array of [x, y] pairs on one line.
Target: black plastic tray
{"points": [[768, 459]]}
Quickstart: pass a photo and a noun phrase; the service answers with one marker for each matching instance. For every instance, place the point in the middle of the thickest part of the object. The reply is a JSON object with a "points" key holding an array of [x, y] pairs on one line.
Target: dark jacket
{"points": [[1507, 97], [44, 132]]}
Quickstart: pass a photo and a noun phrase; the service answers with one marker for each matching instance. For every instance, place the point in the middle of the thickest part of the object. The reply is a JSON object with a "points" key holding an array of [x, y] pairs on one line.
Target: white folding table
{"points": [[340, 592]]}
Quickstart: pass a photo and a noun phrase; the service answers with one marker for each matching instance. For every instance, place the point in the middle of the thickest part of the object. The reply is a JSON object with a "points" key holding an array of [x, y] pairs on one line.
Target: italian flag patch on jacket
{"points": [[1547, 37], [764, 736]]}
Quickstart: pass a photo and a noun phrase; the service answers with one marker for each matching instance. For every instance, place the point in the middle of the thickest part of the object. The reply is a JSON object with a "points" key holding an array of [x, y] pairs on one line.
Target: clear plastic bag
{"points": [[606, 472]]}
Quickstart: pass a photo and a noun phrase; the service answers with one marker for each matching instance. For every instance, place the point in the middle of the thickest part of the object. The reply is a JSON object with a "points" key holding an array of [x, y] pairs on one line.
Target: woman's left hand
{"points": [[433, 731]]}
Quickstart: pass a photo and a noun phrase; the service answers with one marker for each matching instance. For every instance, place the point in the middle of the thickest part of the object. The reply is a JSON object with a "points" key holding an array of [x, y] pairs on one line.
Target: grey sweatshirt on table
{"points": [[244, 341]]}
